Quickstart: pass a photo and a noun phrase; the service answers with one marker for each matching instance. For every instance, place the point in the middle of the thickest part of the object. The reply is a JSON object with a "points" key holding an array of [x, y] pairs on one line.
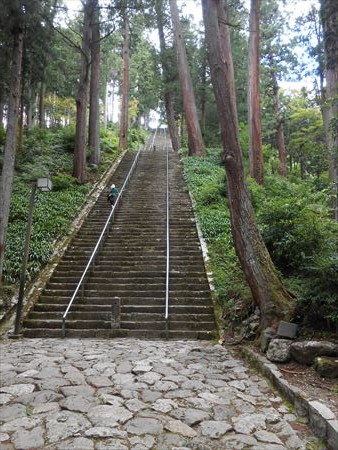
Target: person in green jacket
{"points": [[113, 194]]}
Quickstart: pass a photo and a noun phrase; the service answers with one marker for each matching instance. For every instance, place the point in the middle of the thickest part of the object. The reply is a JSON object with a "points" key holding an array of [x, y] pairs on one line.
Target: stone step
{"points": [[178, 309], [127, 300]]}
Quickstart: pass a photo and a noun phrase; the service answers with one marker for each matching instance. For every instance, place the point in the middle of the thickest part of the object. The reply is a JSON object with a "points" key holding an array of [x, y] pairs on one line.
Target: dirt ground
{"points": [[311, 383]]}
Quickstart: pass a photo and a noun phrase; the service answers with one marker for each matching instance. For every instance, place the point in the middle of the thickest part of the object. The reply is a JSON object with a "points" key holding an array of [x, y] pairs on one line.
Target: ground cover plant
{"points": [[49, 152], [294, 219]]}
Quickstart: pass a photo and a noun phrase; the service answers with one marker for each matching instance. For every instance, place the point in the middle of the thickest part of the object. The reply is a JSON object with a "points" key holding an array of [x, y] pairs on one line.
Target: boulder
{"points": [[267, 335], [326, 366], [279, 350], [305, 352]]}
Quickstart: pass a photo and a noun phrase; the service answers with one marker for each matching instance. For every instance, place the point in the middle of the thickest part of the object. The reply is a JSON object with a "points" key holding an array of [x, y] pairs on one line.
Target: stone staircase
{"points": [[124, 294]]}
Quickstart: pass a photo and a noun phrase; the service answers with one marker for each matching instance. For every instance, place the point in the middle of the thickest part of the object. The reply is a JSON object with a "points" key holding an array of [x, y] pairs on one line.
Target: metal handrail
{"points": [[166, 315], [91, 259]]}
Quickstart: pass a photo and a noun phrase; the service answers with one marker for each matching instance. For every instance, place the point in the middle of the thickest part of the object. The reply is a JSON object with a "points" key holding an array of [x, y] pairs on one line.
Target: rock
{"points": [[287, 329], [77, 403], [266, 436], [76, 444], [24, 439], [190, 416], [326, 366], [279, 350], [176, 426], [305, 352], [18, 389], [215, 429], [108, 416], [142, 426], [266, 336], [11, 412], [64, 424]]}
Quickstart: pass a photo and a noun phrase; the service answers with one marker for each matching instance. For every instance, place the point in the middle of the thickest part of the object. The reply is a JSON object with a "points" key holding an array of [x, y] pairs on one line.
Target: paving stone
{"points": [[64, 424], [24, 439], [266, 436], [150, 396], [77, 403], [5, 398], [141, 426], [112, 444], [84, 390], [26, 423], [103, 432], [190, 416], [164, 386], [18, 389], [215, 429], [45, 408], [109, 399], [164, 405], [79, 443], [99, 381], [247, 424], [175, 386], [145, 442], [4, 437], [150, 377], [11, 412], [28, 374], [179, 427], [108, 416]]}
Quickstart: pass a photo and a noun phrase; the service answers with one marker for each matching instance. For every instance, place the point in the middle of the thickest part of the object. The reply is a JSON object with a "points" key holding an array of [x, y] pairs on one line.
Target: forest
{"points": [[82, 81]]}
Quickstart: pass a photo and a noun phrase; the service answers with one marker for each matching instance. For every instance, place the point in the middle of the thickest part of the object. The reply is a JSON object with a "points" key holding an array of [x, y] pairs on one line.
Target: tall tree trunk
{"points": [[10, 144], [42, 109], [2, 105], [105, 105], [30, 107], [267, 290], [196, 144], [329, 16], [280, 141], [125, 87], [94, 105], [79, 161], [254, 108], [204, 89], [168, 95]]}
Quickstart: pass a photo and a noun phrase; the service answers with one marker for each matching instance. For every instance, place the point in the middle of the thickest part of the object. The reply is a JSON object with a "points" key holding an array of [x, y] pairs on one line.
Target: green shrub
{"points": [[62, 181], [53, 214]]}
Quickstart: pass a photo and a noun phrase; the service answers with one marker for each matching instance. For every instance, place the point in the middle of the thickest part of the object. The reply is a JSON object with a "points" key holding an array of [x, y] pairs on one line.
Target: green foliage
{"points": [[295, 224], [206, 181], [136, 137], [2, 135], [303, 242], [53, 214]]}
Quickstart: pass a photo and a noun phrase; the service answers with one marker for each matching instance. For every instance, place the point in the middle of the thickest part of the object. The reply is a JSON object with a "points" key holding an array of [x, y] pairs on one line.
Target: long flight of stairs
{"points": [[125, 292]]}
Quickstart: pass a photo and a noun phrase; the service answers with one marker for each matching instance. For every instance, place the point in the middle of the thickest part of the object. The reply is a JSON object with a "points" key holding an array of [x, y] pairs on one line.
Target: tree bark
{"points": [[94, 105], [267, 290], [196, 144], [256, 162], [79, 160], [10, 144], [42, 109], [125, 87], [168, 95], [280, 141], [329, 16]]}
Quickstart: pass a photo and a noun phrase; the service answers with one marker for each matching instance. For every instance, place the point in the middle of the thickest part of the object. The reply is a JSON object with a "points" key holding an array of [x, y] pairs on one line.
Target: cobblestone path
{"points": [[136, 394]]}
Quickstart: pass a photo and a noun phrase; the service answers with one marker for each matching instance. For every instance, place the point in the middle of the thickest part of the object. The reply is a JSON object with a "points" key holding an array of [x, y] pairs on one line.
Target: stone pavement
{"points": [[136, 394]]}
